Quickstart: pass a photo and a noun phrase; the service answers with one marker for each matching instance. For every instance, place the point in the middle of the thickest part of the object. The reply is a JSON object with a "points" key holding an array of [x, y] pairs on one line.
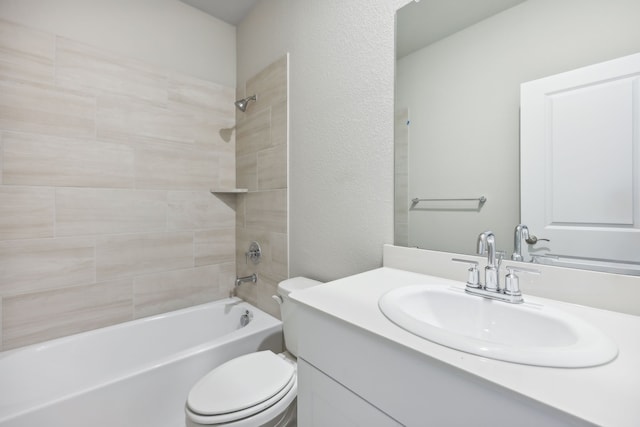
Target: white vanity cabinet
{"points": [[351, 377], [324, 402]]}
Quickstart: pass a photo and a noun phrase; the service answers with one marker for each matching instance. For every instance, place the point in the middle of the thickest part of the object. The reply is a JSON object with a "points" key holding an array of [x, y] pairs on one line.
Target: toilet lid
{"points": [[240, 383]]}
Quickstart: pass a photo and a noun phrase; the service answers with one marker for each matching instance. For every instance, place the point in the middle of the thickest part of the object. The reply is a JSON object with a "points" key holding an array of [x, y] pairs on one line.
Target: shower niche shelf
{"points": [[229, 190]]}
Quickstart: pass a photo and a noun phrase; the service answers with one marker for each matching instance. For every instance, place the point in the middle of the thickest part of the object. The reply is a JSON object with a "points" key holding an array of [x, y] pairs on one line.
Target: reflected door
{"points": [[580, 161]]}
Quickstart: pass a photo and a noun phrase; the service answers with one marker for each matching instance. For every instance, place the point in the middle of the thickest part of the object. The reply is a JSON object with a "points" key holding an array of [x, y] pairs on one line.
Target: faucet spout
{"points": [[487, 244], [520, 233], [240, 280]]}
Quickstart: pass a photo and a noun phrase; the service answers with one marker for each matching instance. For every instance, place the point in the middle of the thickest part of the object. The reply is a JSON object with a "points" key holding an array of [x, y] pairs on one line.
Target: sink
{"points": [[528, 333]]}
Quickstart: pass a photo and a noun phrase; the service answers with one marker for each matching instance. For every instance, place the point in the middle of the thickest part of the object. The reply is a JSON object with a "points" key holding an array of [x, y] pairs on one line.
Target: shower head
{"points": [[242, 103]]}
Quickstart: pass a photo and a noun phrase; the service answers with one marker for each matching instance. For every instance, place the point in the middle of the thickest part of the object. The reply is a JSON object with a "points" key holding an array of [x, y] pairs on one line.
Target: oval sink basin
{"points": [[528, 333]]}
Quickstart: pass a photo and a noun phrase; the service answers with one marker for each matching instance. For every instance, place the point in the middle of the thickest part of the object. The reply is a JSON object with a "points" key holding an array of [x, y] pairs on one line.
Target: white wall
{"points": [[164, 33], [341, 125], [463, 99]]}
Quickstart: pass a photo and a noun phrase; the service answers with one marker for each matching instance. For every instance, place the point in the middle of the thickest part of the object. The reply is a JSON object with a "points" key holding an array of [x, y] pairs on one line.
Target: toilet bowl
{"points": [[256, 389]]}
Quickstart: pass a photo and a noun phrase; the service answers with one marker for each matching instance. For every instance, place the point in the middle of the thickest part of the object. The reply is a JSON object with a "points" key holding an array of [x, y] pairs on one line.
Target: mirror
{"points": [[458, 98]]}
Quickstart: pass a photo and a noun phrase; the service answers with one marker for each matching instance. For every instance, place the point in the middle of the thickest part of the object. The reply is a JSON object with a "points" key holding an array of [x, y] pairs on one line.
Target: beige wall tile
{"points": [[241, 202], [270, 85], [279, 124], [30, 107], [89, 211], [247, 171], [26, 54], [272, 168], [254, 133], [279, 256], [31, 159], [227, 278], [267, 210], [1, 157], [127, 255], [248, 292], [90, 145], [26, 212], [202, 127], [215, 246], [31, 265], [197, 210], [50, 314], [215, 98], [176, 168], [173, 290], [1, 349], [267, 287], [121, 117], [227, 166], [85, 68]]}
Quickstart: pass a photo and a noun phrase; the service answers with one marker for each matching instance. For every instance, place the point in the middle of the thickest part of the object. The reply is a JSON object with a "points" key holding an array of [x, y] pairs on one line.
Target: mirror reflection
{"points": [[460, 66]]}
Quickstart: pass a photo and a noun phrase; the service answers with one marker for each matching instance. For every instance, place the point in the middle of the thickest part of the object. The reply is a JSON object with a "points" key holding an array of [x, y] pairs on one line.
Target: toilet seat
{"points": [[224, 396]]}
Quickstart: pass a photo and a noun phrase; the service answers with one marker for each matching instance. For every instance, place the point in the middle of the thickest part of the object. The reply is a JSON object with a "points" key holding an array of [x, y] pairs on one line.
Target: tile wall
{"points": [[261, 156], [105, 169]]}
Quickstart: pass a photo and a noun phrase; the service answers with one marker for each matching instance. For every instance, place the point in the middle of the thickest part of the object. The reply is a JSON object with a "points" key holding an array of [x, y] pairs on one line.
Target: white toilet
{"points": [[257, 389]]}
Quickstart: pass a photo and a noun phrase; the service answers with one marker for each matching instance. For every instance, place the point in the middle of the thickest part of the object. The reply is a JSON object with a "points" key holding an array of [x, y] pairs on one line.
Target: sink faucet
{"points": [[521, 232], [487, 244], [491, 288]]}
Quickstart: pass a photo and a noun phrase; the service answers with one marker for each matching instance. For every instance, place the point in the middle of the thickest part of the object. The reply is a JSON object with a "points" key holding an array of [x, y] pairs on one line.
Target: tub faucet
{"points": [[240, 280]]}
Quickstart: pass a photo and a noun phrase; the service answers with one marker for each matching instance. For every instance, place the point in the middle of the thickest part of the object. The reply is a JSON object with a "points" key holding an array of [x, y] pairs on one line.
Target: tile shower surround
{"points": [[261, 156], [105, 169]]}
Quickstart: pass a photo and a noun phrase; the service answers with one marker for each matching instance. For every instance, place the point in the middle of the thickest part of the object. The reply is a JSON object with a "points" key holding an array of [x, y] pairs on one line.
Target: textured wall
{"points": [[165, 33], [341, 125], [105, 210], [261, 157]]}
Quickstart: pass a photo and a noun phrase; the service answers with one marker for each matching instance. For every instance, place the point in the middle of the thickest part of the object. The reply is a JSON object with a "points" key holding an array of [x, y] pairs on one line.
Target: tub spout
{"points": [[240, 280]]}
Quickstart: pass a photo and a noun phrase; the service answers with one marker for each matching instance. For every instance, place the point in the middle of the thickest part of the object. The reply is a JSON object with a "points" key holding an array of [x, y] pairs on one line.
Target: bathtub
{"points": [[135, 374]]}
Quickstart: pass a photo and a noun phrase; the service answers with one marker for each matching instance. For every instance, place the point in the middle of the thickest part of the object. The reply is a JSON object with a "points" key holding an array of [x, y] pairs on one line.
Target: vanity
{"points": [[357, 367]]}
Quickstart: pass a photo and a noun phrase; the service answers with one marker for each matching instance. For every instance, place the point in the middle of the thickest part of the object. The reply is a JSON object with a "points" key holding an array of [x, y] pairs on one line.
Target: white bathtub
{"points": [[135, 374]]}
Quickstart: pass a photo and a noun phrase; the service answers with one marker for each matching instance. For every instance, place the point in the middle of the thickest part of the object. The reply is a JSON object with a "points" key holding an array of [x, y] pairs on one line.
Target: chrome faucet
{"points": [[487, 244], [521, 232], [491, 288], [240, 280]]}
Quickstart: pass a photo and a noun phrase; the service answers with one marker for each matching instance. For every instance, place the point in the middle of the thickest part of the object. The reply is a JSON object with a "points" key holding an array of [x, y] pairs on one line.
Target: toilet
{"points": [[256, 389]]}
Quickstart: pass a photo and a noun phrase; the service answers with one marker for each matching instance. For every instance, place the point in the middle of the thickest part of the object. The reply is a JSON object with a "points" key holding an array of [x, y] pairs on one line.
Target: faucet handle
{"points": [[532, 240], [473, 277], [512, 281]]}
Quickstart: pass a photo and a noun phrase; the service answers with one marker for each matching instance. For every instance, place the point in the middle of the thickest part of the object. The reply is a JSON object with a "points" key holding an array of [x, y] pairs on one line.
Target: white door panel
{"points": [[579, 161]]}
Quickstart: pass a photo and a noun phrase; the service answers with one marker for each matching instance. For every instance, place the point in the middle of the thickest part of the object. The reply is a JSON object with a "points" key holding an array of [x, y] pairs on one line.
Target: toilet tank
{"points": [[288, 310]]}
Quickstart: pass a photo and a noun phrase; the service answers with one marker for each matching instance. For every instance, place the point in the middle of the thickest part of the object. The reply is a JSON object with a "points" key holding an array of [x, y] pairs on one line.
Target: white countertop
{"points": [[607, 395]]}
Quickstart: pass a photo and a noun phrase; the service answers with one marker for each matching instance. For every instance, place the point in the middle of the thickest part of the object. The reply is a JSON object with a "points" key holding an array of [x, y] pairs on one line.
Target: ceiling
{"points": [[230, 11], [421, 23]]}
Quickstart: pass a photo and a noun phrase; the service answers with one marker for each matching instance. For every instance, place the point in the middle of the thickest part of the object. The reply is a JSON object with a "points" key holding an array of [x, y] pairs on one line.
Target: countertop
{"points": [[606, 395]]}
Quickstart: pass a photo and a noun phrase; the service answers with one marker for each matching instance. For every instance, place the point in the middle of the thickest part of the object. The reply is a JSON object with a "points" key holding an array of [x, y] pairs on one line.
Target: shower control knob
{"points": [[254, 253]]}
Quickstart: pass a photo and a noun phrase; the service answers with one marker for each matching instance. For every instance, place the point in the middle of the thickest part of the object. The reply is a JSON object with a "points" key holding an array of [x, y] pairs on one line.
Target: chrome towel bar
{"points": [[480, 200]]}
